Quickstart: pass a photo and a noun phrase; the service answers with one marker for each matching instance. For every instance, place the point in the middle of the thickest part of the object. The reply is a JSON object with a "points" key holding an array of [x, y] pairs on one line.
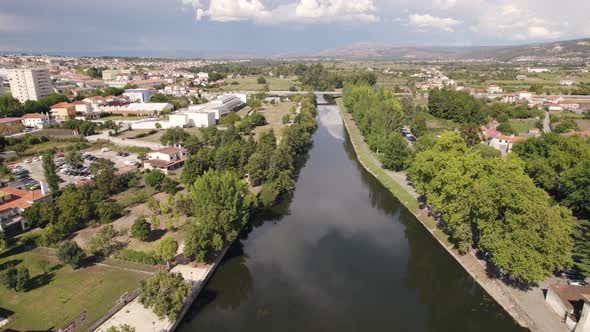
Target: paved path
{"points": [[546, 123], [528, 308]]}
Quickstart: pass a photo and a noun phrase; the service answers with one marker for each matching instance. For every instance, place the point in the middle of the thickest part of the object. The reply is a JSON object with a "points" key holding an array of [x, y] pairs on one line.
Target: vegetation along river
{"points": [[341, 255]]}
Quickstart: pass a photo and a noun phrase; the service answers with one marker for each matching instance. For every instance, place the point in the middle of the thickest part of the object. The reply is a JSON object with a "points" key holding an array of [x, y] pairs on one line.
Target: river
{"points": [[341, 255]]}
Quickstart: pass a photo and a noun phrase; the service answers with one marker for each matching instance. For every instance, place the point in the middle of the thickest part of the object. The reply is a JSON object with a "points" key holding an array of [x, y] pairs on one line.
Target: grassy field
{"points": [[39, 148], [62, 293], [250, 84], [274, 116], [438, 124], [54, 132], [522, 126]]}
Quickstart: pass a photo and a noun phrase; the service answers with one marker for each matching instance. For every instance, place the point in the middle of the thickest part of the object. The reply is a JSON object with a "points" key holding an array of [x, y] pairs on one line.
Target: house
{"points": [[524, 95], [494, 89], [139, 95], [9, 126], [504, 143], [571, 303], [13, 202], [509, 98], [35, 120], [166, 159], [554, 107], [82, 107], [63, 111]]}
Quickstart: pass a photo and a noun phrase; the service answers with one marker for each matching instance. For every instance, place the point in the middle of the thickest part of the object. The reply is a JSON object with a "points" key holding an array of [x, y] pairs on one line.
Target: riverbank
{"points": [[536, 315]]}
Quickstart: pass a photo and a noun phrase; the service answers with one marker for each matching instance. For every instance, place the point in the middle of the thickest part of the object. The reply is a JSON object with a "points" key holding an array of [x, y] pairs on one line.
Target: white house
{"points": [[35, 120], [504, 143], [166, 159], [494, 89], [538, 70], [192, 119], [139, 95]]}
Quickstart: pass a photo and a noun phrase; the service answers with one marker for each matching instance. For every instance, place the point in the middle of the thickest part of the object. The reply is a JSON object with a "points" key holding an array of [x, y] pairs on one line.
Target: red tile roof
{"points": [[34, 116], [20, 198], [9, 120]]}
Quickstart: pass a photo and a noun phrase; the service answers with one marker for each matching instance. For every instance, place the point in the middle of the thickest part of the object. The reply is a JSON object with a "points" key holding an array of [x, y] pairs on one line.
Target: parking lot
{"points": [[70, 175]]}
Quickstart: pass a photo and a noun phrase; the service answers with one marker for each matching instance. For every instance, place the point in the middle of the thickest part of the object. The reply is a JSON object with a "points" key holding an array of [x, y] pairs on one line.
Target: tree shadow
{"points": [[157, 234], [206, 296], [10, 263], [56, 267], [14, 251], [39, 281]]}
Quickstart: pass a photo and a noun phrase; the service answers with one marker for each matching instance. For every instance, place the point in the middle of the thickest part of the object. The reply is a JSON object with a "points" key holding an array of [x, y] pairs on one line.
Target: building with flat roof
{"points": [[29, 83], [2, 91], [111, 74], [139, 95]]}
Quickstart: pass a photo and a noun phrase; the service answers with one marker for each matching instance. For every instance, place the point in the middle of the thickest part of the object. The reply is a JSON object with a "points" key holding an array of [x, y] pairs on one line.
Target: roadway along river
{"points": [[342, 255]]}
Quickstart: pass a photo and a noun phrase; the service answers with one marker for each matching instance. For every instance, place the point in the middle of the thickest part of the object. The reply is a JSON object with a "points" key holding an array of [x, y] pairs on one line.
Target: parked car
{"points": [[105, 149], [27, 161]]}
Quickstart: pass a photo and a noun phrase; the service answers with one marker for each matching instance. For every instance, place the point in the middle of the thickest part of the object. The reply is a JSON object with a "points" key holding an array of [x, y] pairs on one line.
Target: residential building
{"points": [[166, 159], [504, 143], [111, 74], [139, 95], [63, 111], [1, 86], [571, 303], [9, 126], [29, 83], [35, 120], [13, 202], [494, 89]]}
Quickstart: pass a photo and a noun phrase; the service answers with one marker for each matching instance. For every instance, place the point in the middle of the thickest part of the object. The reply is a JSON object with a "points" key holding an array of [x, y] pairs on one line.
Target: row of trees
{"points": [[458, 106], [494, 206], [379, 117], [11, 107]]}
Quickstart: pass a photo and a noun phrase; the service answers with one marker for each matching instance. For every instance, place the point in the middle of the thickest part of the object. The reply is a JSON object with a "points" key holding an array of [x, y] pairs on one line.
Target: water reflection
{"points": [[341, 254]]}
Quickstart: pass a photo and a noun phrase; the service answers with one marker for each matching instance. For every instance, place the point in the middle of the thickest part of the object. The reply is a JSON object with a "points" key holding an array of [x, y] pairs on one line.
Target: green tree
{"points": [[261, 80], [3, 241], [169, 185], [22, 278], [104, 242], [174, 136], [8, 278], [506, 129], [121, 328], [73, 158], [103, 171], [154, 178], [50, 172], [396, 153], [196, 165], [108, 211], [166, 249], [164, 293], [229, 119], [418, 125], [574, 189], [74, 209], [141, 229], [70, 253], [50, 235], [40, 214]]}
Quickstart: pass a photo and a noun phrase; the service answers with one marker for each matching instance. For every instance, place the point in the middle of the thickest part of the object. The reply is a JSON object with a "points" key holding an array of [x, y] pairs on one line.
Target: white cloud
{"points": [[301, 11], [428, 21], [513, 22], [444, 4]]}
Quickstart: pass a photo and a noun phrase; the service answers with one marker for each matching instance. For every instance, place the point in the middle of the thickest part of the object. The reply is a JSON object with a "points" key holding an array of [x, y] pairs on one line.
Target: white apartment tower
{"points": [[29, 83], [1, 86]]}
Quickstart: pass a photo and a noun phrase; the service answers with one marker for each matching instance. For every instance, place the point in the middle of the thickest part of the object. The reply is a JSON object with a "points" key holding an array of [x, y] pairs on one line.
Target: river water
{"points": [[341, 255]]}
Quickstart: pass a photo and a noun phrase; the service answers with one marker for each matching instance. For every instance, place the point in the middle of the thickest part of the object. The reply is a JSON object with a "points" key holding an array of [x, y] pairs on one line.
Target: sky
{"points": [[273, 27]]}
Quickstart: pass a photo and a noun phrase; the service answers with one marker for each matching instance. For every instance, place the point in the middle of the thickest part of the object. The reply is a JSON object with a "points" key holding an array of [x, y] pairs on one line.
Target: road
{"points": [[546, 122]]}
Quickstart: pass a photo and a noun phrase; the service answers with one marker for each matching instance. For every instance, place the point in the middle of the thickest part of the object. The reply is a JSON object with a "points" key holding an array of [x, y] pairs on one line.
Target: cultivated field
{"points": [[250, 83]]}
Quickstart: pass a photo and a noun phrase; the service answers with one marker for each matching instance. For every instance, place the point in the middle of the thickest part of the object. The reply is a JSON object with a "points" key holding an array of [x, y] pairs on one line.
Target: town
{"points": [[372, 187]]}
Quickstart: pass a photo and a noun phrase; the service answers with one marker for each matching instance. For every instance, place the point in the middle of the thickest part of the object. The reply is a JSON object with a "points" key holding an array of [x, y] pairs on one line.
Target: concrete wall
{"points": [[555, 303], [584, 322]]}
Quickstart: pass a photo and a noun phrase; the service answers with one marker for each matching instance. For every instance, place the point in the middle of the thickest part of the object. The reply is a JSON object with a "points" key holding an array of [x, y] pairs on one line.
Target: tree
{"points": [[174, 136], [196, 165], [458, 106], [40, 214], [103, 243], [50, 172], [396, 153], [230, 119], [50, 235], [574, 189], [506, 129], [22, 278], [107, 211], [8, 278], [261, 80], [121, 328], [164, 293], [103, 171], [169, 185], [159, 98], [418, 125], [141, 229], [154, 178], [73, 158], [257, 119], [166, 249], [221, 204], [487, 151], [74, 209], [70, 253]]}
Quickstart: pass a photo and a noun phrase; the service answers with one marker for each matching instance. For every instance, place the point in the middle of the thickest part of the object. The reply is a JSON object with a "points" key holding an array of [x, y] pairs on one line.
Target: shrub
{"points": [[144, 257], [141, 229]]}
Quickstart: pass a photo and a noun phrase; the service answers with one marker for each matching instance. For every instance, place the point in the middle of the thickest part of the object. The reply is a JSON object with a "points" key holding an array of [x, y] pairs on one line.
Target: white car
{"points": [[105, 149], [27, 161], [35, 159], [130, 163]]}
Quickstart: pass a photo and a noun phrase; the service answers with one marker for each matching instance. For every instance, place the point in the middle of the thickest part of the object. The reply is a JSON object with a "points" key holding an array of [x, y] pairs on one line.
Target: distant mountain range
{"points": [[375, 51]]}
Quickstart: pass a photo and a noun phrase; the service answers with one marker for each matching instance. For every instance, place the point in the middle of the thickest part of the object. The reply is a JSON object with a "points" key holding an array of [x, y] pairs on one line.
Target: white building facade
{"points": [[29, 83]]}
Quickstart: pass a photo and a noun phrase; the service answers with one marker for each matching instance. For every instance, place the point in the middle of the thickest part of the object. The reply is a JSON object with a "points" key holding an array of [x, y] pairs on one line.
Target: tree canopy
{"points": [[164, 293]]}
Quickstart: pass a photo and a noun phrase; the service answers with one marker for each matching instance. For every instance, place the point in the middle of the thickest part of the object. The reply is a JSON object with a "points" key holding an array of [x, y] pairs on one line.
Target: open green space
{"points": [[522, 126], [56, 297], [53, 132]]}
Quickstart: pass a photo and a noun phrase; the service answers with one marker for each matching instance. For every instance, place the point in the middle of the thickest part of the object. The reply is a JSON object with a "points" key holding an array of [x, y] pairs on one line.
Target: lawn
{"points": [[60, 295], [250, 84], [438, 124], [274, 117], [522, 126]]}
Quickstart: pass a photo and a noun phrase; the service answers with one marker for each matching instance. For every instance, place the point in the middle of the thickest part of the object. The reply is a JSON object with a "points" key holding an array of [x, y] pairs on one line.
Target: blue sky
{"points": [[269, 27]]}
